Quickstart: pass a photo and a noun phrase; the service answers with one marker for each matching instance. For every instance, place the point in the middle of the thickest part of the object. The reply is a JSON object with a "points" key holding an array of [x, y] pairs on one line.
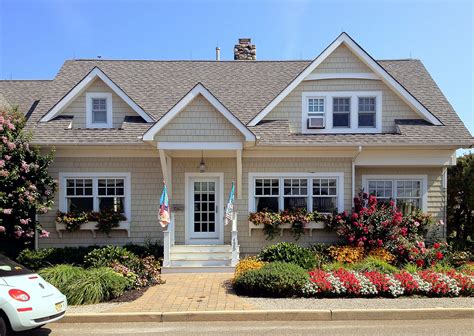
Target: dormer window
{"points": [[341, 112], [367, 111], [98, 110]]}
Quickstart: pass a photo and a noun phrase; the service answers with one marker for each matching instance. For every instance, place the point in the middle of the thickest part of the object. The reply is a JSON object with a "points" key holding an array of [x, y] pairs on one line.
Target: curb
{"points": [[275, 315]]}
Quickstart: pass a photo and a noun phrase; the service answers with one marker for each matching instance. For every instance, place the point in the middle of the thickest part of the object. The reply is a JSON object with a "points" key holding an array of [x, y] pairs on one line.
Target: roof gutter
{"points": [[354, 158]]}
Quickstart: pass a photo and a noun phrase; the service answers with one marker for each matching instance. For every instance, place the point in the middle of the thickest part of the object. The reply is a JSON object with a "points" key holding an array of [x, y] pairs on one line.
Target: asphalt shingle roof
{"points": [[23, 93]]}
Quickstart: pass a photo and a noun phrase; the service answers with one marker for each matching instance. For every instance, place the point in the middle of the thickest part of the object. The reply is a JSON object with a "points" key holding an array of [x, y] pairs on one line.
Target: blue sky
{"points": [[36, 36]]}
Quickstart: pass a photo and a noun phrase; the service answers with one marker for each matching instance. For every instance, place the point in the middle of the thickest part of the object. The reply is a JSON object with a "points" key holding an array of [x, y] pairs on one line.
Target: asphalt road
{"points": [[366, 328]]}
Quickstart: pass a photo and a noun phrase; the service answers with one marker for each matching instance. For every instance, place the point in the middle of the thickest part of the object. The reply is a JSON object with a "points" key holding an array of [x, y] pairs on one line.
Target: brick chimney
{"points": [[245, 50]]}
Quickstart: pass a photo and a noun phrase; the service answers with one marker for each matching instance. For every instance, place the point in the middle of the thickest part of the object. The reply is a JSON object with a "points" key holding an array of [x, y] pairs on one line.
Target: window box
{"points": [[310, 226], [92, 227]]}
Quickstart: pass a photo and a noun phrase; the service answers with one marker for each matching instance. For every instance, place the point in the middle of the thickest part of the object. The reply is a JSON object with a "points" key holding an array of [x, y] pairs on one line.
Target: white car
{"points": [[27, 301]]}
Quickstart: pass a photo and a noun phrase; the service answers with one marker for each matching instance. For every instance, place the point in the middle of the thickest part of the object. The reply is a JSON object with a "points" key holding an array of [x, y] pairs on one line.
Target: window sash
{"points": [[316, 106], [394, 190], [367, 107]]}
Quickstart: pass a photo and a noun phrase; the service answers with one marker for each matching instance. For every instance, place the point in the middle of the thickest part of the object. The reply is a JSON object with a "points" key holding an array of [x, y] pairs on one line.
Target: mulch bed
{"points": [[130, 295]]}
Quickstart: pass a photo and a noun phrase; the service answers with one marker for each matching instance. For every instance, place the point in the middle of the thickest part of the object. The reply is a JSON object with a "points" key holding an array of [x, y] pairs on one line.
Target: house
{"points": [[288, 133]]}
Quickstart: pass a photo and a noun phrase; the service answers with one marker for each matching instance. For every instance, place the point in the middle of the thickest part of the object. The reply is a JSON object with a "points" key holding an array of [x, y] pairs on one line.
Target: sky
{"points": [[36, 36]]}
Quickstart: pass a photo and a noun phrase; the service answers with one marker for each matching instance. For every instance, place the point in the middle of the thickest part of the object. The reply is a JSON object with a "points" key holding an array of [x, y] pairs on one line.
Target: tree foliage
{"points": [[26, 188], [460, 209]]}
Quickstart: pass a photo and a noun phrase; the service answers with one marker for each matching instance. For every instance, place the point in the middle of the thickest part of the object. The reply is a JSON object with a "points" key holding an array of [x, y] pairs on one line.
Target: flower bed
{"points": [[346, 283]]}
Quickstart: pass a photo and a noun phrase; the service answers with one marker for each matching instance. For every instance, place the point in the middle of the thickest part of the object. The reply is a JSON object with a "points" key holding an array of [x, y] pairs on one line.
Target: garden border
{"points": [[275, 315]]}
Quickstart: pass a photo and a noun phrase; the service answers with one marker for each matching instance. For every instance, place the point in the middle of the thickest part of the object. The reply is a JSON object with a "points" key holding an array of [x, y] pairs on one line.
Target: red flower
{"points": [[439, 255], [436, 245], [420, 263]]}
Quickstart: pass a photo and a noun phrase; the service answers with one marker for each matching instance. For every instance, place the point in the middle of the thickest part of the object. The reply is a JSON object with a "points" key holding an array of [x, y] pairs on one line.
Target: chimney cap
{"points": [[245, 40]]}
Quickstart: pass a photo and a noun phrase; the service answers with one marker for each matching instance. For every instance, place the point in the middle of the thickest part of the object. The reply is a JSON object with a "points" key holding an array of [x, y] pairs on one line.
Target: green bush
{"points": [[150, 248], [442, 267], [289, 253], [411, 268], [371, 264], [86, 286], [321, 254], [106, 256], [36, 259], [333, 266], [276, 279], [466, 268]]}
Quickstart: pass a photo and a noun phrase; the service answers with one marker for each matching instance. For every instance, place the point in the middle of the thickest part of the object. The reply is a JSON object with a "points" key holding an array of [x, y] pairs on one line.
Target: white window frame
{"points": [[98, 95], [354, 115], [394, 178], [95, 189], [339, 112], [281, 176]]}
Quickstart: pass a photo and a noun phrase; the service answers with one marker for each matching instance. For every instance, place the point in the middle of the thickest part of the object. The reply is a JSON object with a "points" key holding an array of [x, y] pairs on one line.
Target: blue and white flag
{"points": [[164, 214], [229, 210]]}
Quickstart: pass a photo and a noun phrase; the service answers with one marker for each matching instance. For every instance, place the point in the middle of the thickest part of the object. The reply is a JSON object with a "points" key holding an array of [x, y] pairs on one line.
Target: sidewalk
{"points": [[188, 292]]}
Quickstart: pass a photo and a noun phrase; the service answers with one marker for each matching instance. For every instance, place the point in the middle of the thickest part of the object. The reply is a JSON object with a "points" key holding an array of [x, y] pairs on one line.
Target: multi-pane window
{"points": [[111, 194], [79, 195], [315, 107], [405, 193], [295, 193], [341, 112], [288, 193], [267, 193], [367, 111], [324, 194], [99, 110]]}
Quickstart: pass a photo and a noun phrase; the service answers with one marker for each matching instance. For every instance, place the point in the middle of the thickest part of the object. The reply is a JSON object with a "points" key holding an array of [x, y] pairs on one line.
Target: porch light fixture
{"points": [[202, 165]]}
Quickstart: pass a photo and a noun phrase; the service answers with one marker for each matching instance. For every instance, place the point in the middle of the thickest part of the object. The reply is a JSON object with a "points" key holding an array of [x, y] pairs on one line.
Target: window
{"points": [[367, 111], [311, 191], [407, 193], [98, 110], [324, 195], [295, 194], [315, 107], [95, 192], [341, 112]]}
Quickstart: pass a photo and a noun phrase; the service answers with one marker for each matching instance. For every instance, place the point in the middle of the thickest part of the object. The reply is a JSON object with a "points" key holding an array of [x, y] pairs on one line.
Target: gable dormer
{"points": [[96, 102]]}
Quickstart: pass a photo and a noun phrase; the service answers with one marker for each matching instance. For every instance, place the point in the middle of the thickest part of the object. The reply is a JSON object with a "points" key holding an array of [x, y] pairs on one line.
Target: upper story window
{"points": [[98, 110], [341, 112]]}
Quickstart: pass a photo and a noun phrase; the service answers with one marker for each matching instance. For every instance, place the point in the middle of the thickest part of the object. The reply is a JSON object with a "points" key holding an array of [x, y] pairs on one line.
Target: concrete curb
{"points": [[275, 315]]}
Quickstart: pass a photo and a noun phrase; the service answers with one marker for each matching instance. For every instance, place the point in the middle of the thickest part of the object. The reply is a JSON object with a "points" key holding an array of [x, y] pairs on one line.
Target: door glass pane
{"points": [[204, 206]]}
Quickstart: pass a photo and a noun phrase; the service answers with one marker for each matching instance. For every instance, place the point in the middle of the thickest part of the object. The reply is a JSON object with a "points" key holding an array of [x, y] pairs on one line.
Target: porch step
{"points": [[197, 269], [200, 256], [191, 258], [200, 248]]}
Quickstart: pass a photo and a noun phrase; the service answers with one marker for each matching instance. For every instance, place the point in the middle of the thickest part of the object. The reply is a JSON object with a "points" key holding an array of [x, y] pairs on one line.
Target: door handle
{"points": [[217, 209]]}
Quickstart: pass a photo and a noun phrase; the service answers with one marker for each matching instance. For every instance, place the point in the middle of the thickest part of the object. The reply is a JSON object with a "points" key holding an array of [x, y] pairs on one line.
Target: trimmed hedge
{"points": [[277, 279], [289, 253]]}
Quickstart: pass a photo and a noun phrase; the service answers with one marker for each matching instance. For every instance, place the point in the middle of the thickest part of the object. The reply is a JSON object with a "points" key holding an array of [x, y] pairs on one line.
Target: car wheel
{"points": [[3, 327]]}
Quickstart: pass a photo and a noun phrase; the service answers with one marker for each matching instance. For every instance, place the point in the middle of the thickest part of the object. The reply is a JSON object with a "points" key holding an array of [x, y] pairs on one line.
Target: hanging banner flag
{"points": [[164, 214], [229, 210]]}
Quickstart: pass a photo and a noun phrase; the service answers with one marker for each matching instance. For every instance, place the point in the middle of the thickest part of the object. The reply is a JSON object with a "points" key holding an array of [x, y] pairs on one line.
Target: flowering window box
{"points": [[310, 226], [92, 227]]}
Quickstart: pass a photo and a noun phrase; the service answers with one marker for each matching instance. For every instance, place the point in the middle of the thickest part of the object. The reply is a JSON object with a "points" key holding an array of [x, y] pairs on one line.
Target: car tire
{"points": [[3, 327]]}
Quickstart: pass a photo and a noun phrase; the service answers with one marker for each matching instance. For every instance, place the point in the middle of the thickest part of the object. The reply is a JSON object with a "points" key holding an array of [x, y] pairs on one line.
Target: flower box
{"points": [[92, 227], [310, 226]]}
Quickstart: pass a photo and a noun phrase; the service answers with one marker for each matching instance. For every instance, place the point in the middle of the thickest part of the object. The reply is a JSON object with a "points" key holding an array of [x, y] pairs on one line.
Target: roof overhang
{"points": [[82, 86], [391, 82], [195, 91]]}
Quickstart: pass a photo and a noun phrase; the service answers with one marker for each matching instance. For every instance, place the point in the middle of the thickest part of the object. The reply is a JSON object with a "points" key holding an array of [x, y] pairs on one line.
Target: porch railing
{"points": [[234, 242], [168, 242]]}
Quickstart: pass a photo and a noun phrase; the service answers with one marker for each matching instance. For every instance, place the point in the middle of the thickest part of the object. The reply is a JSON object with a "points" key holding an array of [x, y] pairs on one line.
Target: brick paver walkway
{"points": [[188, 292]]}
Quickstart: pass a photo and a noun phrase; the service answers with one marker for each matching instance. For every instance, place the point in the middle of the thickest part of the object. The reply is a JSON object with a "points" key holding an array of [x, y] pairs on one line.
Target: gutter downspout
{"points": [[353, 174]]}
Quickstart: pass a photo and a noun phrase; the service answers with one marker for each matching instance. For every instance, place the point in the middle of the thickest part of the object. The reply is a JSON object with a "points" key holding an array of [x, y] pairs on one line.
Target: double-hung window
{"points": [[98, 110], [341, 112], [95, 192], [316, 112], [367, 111], [407, 193], [313, 191]]}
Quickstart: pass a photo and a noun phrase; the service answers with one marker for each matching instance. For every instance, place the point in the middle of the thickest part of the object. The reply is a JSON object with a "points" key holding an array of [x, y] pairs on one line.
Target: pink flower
{"points": [[44, 234], [11, 145], [441, 222], [24, 221], [8, 157], [2, 229], [417, 223], [3, 173], [420, 244], [7, 211], [2, 163], [2, 119]]}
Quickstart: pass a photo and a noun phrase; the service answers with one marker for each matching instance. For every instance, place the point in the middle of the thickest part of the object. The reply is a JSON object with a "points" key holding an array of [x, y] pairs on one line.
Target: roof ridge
{"points": [[25, 80], [178, 60]]}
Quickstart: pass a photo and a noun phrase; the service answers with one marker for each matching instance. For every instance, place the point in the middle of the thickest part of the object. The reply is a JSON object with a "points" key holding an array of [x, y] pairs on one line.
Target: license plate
{"points": [[59, 306]]}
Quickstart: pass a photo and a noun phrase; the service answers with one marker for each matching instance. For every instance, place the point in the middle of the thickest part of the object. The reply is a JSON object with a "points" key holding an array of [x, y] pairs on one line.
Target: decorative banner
{"points": [[229, 211], [164, 214]]}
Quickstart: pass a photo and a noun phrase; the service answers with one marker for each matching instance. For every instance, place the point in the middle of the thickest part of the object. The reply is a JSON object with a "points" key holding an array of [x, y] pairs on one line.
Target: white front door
{"points": [[204, 214]]}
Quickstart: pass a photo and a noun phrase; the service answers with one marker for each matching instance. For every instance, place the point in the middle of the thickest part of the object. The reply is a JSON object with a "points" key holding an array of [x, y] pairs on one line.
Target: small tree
{"points": [[25, 186], [460, 209]]}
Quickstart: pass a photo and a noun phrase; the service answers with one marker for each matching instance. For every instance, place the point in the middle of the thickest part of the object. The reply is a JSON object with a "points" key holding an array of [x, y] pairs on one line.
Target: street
{"points": [[367, 328]]}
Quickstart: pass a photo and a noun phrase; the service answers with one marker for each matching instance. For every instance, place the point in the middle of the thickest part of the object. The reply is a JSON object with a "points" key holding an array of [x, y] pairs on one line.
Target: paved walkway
{"points": [[188, 292]]}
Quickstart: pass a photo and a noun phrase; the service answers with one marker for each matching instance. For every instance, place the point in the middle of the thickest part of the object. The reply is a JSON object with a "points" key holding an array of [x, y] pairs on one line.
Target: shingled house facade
{"points": [[288, 133]]}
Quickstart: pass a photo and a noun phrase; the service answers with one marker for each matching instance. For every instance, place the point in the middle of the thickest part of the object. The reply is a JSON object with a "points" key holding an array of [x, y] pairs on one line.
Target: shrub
{"points": [[277, 279], [371, 264], [321, 255], [383, 254], [411, 268], [442, 267], [106, 256], [36, 259], [61, 275], [335, 265], [150, 248], [289, 253], [346, 254], [467, 268], [247, 264]]}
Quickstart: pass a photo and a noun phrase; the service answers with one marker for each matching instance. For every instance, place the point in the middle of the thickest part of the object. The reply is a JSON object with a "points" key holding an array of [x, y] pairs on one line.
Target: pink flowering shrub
{"points": [[25, 186], [345, 283]]}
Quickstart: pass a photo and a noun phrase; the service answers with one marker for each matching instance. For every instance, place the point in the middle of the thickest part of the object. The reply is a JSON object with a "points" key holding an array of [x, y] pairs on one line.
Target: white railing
{"points": [[234, 242], [168, 242]]}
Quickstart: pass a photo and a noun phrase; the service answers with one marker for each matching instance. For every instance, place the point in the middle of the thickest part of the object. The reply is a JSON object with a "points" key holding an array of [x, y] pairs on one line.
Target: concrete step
{"points": [[200, 256], [197, 269], [201, 263], [201, 248]]}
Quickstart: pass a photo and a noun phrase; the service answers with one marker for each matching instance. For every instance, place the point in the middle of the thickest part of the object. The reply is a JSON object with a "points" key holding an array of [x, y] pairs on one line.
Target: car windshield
{"points": [[11, 268]]}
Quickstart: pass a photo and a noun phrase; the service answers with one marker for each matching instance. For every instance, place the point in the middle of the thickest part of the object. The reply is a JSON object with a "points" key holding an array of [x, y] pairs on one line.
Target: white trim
{"points": [[422, 178], [95, 177], [197, 90], [188, 207], [82, 85], [199, 145], [282, 175], [354, 114], [364, 57], [345, 75], [108, 98]]}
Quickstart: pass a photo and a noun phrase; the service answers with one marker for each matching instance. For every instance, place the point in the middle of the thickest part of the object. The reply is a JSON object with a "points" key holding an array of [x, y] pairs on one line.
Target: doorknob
{"points": [[217, 209]]}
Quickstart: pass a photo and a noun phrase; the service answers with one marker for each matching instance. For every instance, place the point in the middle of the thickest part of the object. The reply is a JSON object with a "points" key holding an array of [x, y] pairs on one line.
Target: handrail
{"points": [[168, 241], [234, 242]]}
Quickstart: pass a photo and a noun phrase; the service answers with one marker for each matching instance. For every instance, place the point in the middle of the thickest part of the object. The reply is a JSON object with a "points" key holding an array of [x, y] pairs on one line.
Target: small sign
{"points": [[177, 207]]}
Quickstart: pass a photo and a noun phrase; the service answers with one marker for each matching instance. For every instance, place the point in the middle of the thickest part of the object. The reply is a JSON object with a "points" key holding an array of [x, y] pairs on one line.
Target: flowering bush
{"points": [[369, 284], [106, 219], [25, 186], [383, 254], [247, 264], [346, 254]]}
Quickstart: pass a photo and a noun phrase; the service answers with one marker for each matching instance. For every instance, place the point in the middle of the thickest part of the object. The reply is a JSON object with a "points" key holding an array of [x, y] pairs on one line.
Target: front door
{"points": [[204, 212]]}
